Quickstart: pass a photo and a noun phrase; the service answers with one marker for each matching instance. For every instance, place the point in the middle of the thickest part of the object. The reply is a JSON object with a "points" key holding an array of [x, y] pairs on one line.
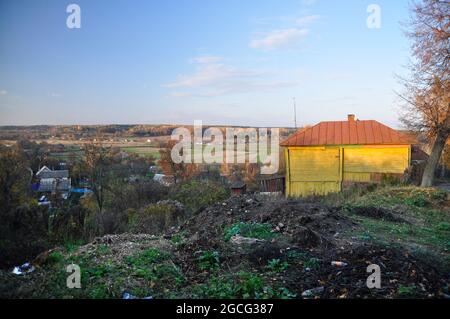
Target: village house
{"points": [[53, 180], [331, 155]]}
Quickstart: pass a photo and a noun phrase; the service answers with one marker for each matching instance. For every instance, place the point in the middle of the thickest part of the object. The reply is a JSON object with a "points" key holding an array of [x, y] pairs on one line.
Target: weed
{"points": [[55, 257], [177, 239], [407, 291], [208, 260], [251, 230], [147, 257], [311, 263], [418, 201], [277, 266]]}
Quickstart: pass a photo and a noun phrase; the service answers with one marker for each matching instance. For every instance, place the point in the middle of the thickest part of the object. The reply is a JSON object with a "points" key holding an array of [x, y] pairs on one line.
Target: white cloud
{"points": [[211, 74], [205, 59], [3, 92], [277, 39], [220, 79]]}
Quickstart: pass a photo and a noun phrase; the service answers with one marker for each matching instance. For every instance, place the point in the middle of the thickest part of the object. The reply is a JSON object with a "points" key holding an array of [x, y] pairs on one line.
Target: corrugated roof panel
{"points": [[360, 130], [385, 135], [378, 139], [353, 134], [345, 133], [323, 128], [308, 136], [315, 135], [338, 139], [330, 131], [369, 132]]}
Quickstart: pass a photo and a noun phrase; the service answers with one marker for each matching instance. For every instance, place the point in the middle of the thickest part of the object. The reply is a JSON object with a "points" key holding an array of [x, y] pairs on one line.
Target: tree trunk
{"points": [[433, 161]]}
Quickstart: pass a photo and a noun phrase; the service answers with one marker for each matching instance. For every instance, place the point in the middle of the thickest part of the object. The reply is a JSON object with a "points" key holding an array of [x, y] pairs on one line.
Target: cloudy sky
{"points": [[220, 61]]}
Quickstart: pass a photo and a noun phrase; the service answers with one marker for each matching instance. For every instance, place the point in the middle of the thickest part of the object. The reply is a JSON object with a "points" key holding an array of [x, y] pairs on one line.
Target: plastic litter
{"points": [[24, 269], [313, 292], [339, 264], [127, 295]]}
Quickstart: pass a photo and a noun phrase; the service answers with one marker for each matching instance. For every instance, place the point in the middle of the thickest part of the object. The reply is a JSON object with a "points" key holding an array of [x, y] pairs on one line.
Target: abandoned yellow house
{"points": [[324, 158]]}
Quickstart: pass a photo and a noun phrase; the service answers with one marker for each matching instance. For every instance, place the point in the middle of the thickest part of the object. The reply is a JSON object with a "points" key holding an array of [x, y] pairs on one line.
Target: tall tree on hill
{"points": [[427, 92]]}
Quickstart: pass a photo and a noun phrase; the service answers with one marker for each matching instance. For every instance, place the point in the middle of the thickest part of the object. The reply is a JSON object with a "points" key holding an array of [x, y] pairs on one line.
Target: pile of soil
{"points": [[311, 225], [321, 232]]}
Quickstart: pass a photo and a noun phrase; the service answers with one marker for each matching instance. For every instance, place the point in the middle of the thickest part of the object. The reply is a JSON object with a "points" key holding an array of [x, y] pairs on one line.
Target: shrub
{"points": [[208, 260], [196, 195], [155, 218]]}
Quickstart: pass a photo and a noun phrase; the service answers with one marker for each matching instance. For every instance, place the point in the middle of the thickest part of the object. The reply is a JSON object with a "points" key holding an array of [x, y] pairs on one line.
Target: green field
{"points": [[143, 151]]}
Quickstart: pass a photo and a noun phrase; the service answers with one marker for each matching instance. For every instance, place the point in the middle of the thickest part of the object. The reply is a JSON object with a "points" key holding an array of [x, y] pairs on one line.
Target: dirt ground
{"points": [[293, 248], [323, 234]]}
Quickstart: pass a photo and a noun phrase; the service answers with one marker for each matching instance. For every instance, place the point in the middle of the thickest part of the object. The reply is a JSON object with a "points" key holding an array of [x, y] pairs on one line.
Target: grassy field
{"points": [[145, 151], [411, 217]]}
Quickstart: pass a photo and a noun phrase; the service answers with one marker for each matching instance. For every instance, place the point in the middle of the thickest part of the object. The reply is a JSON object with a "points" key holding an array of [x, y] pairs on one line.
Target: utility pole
{"points": [[295, 112]]}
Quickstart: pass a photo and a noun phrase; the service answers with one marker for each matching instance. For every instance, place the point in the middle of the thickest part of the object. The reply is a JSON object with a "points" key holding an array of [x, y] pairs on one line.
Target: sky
{"points": [[225, 62]]}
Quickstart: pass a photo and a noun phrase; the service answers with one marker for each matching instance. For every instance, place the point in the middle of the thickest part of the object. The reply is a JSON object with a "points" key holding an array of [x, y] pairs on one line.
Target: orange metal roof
{"points": [[352, 132]]}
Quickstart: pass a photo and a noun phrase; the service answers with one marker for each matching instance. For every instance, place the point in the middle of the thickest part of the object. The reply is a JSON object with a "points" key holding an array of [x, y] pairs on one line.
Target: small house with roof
{"points": [[326, 157], [53, 180]]}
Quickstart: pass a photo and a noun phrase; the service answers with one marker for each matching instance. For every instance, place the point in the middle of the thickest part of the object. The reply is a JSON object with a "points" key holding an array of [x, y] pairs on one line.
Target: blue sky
{"points": [[220, 61]]}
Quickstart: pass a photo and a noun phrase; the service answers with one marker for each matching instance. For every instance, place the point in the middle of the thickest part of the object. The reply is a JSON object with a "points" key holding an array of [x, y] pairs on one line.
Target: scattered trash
{"points": [[239, 240], [127, 295], [313, 292], [24, 269], [339, 264]]}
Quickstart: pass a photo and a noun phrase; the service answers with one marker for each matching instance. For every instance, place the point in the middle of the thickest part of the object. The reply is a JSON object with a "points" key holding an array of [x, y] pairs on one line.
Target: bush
{"points": [[155, 218], [23, 234], [196, 195], [208, 260]]}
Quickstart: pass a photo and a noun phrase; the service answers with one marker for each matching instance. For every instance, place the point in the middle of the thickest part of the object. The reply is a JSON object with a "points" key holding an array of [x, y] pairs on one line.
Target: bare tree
{"points": [[427, 91], [97, 162]]}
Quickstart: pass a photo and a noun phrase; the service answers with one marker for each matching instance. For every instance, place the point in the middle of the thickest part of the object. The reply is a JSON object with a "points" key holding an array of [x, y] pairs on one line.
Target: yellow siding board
{"points": [[304, 189], [315, 165], [321, 170], [376, 160], [357, 177]]}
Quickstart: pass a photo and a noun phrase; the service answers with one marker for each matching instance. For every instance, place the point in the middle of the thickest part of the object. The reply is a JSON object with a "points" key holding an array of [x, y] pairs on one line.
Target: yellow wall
{"points": [[321, 170]]}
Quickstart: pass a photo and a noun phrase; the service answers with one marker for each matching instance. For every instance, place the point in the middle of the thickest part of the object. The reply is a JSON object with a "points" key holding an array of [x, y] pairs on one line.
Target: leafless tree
{"points": [[427, 91], [97, 161]]}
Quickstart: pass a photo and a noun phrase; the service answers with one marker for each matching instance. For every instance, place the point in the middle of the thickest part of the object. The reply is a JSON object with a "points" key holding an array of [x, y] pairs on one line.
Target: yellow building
{"points": [[324, 158]]}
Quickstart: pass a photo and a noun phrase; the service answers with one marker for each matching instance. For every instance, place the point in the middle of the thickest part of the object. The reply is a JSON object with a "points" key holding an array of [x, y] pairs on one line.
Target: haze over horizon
{"points": [[225, 63]]}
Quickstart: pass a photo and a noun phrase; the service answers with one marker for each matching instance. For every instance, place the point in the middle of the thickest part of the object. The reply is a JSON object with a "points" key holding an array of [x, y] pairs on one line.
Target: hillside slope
{"points": [[261, 247]]}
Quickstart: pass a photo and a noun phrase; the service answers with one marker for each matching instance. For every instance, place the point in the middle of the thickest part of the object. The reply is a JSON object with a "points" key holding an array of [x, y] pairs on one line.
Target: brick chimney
{"points": [[351, 117]]}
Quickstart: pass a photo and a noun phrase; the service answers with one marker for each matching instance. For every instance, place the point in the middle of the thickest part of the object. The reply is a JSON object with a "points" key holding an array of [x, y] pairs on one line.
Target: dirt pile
{"points": [[309, 237], [307, 224]]}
